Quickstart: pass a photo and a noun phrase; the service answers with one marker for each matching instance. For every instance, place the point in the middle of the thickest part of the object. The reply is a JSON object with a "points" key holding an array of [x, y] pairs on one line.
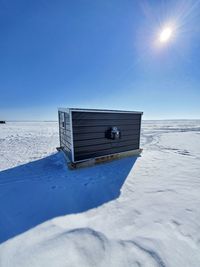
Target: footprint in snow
{"points": [[190, 210]]}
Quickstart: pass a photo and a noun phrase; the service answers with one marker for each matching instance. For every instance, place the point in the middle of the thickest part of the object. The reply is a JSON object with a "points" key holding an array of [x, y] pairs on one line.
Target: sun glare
{"points": [[165, 35]]}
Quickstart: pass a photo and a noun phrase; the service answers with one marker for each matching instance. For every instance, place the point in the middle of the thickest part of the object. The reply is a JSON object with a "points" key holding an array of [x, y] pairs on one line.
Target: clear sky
{"points": [[99, 54]]}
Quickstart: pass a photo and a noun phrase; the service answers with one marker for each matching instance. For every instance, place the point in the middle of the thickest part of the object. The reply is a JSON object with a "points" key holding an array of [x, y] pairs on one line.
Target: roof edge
{"points": [[99, 110]]}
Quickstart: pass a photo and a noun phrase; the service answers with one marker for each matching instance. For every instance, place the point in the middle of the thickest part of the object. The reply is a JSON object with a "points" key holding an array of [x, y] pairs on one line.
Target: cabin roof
{"points": [[98, 110]]}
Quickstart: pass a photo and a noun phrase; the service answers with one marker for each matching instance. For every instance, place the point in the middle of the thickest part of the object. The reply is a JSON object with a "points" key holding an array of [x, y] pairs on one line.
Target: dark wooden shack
{"points": [[93, 133]]}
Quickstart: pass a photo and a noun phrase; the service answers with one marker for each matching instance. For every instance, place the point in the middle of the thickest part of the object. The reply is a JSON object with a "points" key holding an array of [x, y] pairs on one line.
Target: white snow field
{"points": [[141, 211]]}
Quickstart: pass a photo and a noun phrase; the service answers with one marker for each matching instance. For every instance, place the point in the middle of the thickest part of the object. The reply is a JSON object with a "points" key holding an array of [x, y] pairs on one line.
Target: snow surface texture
{"points": [[131, 212], [26, 141]]}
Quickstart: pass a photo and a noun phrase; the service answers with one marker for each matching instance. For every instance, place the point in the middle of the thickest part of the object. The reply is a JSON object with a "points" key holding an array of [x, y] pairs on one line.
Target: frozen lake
{"points": [[131, 212]]}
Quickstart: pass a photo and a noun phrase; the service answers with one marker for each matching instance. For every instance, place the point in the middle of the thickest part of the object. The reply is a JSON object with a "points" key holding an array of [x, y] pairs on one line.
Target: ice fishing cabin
{"points": [[93, 134], [2, 122]]}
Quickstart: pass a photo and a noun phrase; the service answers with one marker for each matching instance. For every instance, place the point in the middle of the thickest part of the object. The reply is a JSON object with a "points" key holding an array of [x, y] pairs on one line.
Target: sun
{"points": [[165, 35]]}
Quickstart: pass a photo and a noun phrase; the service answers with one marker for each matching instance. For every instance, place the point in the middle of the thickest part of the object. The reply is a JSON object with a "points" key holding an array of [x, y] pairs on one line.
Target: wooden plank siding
{"points": [[84, 156], [89, 130], [65, 132]]}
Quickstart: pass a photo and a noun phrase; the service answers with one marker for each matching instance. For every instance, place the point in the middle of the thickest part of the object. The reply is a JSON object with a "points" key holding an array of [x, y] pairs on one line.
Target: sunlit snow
{"points": [[131, 212]]}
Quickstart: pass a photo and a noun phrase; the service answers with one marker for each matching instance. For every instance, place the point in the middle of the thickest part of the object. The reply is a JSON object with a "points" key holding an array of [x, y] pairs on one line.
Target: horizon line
{"points": [[178, 119]]}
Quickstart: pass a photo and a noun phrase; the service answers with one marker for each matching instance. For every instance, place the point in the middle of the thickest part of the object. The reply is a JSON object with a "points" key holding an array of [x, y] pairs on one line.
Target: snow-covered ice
{"points": [[131, 212], [21, 142]]}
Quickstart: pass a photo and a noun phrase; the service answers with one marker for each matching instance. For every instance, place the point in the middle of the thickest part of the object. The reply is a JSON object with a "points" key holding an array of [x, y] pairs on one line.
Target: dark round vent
{"points": [[113, 133]]}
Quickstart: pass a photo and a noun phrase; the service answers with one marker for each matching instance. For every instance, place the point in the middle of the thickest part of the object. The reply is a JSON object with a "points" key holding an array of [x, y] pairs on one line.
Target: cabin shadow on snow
{"points": [[41, 190]]}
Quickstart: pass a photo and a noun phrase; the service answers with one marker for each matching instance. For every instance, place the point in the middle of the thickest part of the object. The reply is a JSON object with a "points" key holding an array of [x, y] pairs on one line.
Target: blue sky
{"points": [[99, 54]]}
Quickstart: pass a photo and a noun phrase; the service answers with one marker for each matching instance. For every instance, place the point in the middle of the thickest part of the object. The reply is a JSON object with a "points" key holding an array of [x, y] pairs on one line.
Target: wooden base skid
{"points": [[94, 161]]}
